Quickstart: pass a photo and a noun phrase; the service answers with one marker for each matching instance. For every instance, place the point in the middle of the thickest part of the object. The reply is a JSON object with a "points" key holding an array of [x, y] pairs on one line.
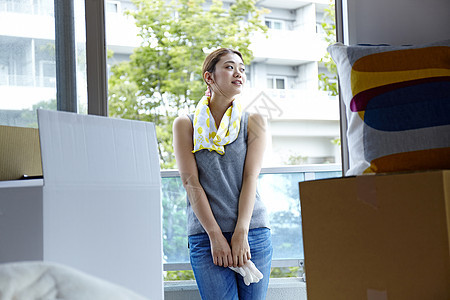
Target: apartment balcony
{"points": [[28, 81], [121, 33], [36, 19], [287, 47], [27, 7], [32, 25], [291, 104], [23, 91]]}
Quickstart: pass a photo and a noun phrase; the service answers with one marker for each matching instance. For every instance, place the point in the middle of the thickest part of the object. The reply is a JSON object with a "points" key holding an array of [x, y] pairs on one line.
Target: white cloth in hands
{"points": [[249, 271]]}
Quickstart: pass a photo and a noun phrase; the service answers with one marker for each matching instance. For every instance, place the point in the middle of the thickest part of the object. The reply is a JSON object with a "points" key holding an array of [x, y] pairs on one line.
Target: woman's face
{"points": [[229, 76]]}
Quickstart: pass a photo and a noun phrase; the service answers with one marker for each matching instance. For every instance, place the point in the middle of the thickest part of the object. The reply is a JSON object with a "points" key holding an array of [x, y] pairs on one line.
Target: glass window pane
{"points": [[300, 132], [300, 107], [27, 60], [277, 25], [174, 221], [134, 86], [112, 7], [281, 195], [280, 83]]}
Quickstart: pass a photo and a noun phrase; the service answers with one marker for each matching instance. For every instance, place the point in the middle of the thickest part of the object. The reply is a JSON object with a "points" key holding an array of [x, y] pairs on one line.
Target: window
{"points": [[43, 7], [112, 7], [275, 24], [276, 82], [28, 80], [282, 85]]}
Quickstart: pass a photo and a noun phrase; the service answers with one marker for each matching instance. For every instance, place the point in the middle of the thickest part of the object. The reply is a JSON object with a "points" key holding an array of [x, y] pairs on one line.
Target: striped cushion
{"points": [[397, 105]]}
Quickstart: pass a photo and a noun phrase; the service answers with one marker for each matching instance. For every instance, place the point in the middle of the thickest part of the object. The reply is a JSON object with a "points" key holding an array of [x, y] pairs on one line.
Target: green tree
{"points": [[328, 82], [163, 76]]}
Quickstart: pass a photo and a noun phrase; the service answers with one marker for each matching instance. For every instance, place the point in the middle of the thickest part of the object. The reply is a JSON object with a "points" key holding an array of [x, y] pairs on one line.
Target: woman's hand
{"points": [[220, 250], [240, 248]]}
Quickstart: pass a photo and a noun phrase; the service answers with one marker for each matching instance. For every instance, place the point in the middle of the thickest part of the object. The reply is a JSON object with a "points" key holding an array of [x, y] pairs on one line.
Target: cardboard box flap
{"points": [[20, 153], [92, 150]]}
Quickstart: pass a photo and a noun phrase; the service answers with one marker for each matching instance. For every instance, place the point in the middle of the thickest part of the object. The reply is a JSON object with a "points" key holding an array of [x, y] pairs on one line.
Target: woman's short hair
{"points": [[209, 65]]}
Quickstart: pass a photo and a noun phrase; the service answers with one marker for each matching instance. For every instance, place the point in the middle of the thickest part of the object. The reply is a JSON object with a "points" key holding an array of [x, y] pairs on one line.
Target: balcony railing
{"points": [[278, 104], [44, 8], [27, 80], [279, 190], [288, 47]]}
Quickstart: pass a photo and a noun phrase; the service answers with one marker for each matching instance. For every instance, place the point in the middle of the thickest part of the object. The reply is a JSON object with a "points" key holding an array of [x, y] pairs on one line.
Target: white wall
{"points": [[306, 19], [396, 22]]}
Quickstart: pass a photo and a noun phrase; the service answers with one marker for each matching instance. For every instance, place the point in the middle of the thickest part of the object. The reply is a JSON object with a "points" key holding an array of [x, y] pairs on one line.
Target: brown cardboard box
{"points": [[20, 153], [377, 236]]}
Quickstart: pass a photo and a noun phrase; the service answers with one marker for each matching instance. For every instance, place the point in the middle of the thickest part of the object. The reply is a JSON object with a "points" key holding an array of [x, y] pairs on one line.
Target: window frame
{"points": [[113, 2], [274, 79], [97, 78], [98, 103], [65, 56], [96, 70], [340, 15], [272, 22]]}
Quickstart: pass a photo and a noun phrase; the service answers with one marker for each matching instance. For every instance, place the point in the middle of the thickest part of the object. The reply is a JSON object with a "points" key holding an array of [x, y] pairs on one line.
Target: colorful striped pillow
{"points": [[397, 105]]}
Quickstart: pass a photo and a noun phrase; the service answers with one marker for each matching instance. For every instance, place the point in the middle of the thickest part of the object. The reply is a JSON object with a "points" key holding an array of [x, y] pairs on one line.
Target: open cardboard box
{"points": [[377, 237], [98, 207]]}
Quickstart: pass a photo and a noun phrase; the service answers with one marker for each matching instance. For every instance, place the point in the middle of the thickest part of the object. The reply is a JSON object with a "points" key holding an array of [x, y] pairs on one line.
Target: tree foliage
{"points": [[328, 82], [163, 76]]}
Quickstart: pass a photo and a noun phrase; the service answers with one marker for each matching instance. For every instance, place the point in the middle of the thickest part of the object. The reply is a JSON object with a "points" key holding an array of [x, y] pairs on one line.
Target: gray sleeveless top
{"points": [[221, 178]]}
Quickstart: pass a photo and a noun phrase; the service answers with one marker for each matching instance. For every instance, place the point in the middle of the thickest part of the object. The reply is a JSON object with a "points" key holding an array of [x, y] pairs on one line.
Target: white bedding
{"points": [[48, 281]]}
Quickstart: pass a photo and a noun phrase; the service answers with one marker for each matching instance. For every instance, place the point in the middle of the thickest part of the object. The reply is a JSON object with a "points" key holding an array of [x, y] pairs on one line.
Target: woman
{"points": [[219, 151]]}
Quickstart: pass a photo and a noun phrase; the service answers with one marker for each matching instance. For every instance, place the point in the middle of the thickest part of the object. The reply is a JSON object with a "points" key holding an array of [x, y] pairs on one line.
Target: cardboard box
{"points": [[98, 208], [19, 152], [377, 237]]}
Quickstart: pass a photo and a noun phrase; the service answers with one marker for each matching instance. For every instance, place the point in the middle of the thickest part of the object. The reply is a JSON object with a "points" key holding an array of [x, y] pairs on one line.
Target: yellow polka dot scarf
{"points": [[206, 134]]}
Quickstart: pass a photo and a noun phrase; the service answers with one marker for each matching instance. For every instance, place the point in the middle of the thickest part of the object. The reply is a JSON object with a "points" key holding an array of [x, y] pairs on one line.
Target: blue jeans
{"points": [[216, 283]]}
